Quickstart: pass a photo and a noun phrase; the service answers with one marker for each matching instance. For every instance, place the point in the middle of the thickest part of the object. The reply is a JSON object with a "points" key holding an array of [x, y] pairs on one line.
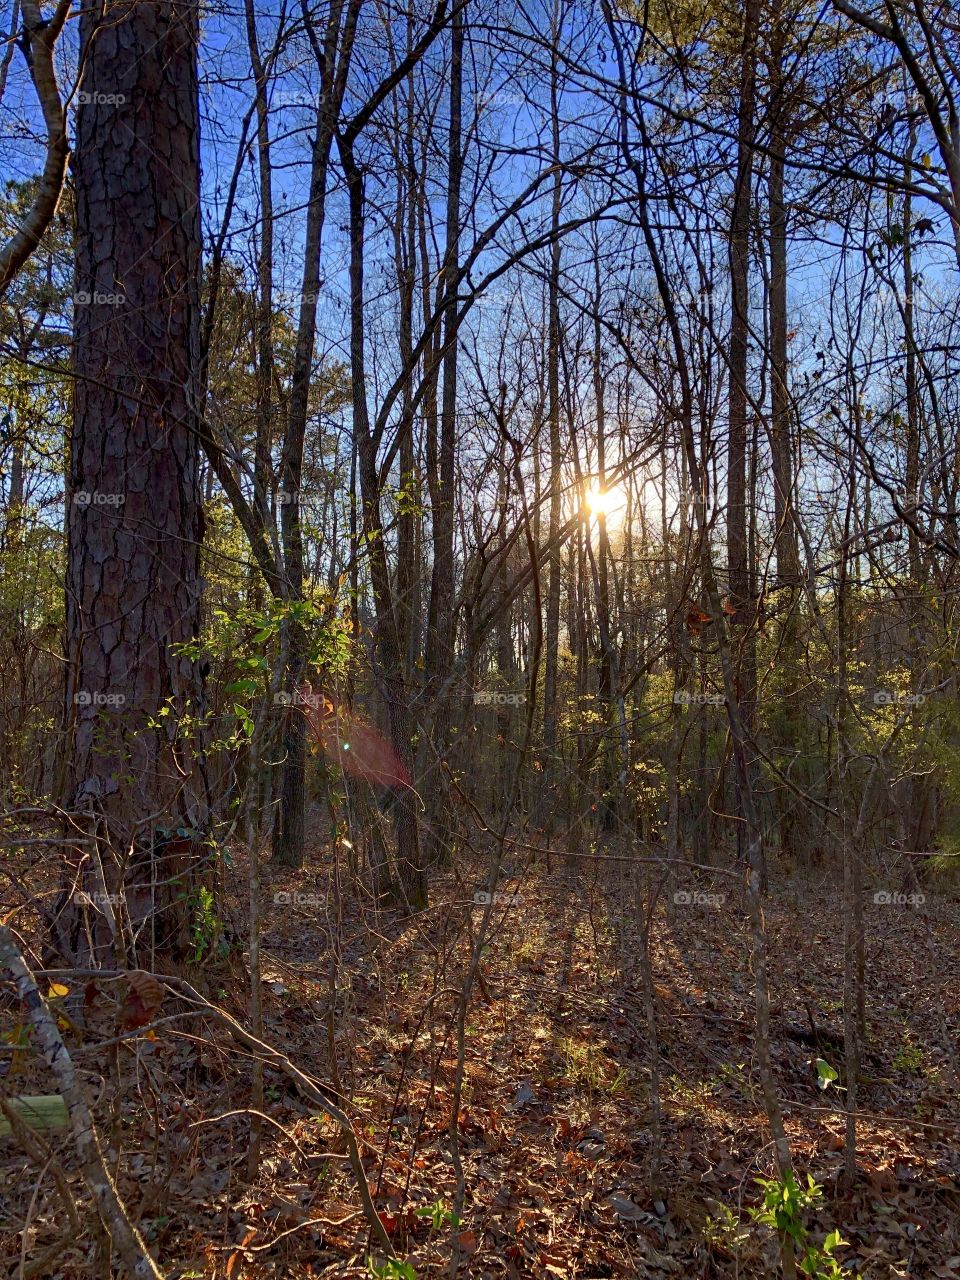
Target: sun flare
{"points": [[608, 502]]}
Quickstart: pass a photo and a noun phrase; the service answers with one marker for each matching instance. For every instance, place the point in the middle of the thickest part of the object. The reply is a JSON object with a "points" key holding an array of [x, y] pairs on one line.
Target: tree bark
{"points": [[135, 517]]}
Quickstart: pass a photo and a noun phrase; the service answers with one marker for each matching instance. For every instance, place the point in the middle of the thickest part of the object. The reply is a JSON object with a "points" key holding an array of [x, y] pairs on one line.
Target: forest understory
{"points": [[480, 639], [556, 1127]]}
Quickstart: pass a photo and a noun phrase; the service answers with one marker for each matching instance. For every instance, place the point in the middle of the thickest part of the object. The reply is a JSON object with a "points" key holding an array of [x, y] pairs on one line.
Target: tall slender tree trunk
{"points": [[442, 616], [923, 789], [408, 570], [390, 672], [912, 497], [781, 448], [739, 255], [264, 320], [611, 697], [788, 565], [555, 562], [506, 658], [334, 60], [738, 546]]}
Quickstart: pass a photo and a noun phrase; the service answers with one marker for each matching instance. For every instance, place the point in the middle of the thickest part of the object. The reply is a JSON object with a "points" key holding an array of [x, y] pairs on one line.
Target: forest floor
{"points": [[555, 1120]]}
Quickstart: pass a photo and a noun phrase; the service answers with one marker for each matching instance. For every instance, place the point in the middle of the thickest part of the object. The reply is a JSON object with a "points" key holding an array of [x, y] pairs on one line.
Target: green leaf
{"points": [[242, 686], [825, 1075]]}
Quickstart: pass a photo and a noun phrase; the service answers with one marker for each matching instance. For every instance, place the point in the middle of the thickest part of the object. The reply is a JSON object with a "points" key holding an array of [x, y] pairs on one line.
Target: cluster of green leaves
{"points": [[439, 1215], [785, 1204], [391, 1269], [242, 647]]}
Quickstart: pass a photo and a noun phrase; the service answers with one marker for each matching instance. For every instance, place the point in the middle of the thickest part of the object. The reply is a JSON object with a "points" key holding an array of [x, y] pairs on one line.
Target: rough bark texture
{"points": [[134, 502]]}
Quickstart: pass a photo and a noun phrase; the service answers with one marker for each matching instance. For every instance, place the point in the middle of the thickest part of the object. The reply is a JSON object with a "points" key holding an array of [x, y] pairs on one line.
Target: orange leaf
{"points": [[696, 619]]}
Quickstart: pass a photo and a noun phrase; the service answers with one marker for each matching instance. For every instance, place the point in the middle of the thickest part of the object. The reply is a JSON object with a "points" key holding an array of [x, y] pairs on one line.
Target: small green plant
{"points": [[688, 1098], [620, 1082], [725, 1230], [392, 1269], [785, 1201], [909, 1057], [439, 1216], [733, 1076], [205, 925]]}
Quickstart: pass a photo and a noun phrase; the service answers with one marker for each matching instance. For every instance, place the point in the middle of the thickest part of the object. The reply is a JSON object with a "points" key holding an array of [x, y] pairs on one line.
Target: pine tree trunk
{"points": [[135, 518]]}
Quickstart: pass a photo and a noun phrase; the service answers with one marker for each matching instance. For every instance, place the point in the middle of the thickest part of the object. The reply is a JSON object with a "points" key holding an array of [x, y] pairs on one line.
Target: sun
{"points": [[608, 502]]}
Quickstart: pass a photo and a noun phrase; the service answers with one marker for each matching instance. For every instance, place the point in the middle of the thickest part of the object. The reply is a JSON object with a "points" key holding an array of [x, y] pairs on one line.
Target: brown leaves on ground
{"points": [[555, 1117]]}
